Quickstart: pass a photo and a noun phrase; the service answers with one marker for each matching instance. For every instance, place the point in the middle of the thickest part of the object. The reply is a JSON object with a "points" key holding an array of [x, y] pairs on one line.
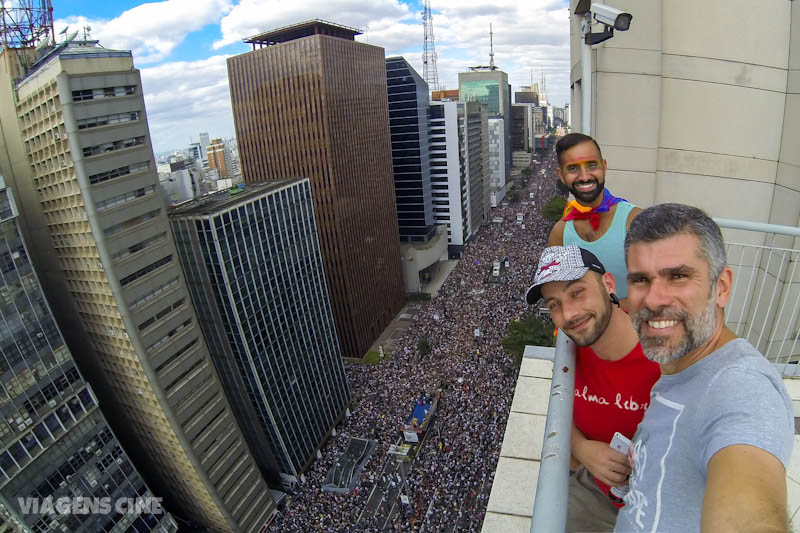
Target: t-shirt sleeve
{"points": [[746, 406]]}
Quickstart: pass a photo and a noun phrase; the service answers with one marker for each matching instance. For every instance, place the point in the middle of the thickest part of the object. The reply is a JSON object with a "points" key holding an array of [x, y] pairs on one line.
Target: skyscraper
{"points": [[527, 94], [55, 440], [475, 151], [497, 151], [196, 150], [521, 120], [458, 174], [81, 155], [266, 314], [219, 158], [310, 101], [408, 122], [204, 144], [490, 87]]}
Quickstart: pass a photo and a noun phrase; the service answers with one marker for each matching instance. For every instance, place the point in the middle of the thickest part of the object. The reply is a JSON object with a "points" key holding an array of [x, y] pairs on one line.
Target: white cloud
{"points": [[531, 37], [250, 17], [527, 34], [184, 98], [151, 30]]}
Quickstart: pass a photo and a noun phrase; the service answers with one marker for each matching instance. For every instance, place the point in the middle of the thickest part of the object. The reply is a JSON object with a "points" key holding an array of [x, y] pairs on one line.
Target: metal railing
{"points": [[550, 503], [764, 308], [765, 300]]}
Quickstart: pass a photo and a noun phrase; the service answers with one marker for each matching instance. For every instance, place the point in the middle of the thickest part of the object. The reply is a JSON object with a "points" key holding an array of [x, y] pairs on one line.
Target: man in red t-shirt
{"points": [[613, 379]]}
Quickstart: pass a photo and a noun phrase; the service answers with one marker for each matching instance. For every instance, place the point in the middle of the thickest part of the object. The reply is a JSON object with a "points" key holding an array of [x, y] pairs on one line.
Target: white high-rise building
{"points": [[497, 160], [458, 187]]}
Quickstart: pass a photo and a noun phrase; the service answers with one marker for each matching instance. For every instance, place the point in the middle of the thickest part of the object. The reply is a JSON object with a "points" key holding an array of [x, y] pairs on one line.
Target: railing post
{"points": [[550, 505]]}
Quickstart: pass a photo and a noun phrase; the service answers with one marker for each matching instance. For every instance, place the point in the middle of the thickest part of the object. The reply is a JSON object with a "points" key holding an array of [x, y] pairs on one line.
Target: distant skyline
{"points": [[181, 46]]}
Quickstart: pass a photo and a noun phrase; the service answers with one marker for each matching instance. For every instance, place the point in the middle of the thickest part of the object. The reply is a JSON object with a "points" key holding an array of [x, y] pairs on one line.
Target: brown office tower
{"points": [[310, 101], [219, 157]]}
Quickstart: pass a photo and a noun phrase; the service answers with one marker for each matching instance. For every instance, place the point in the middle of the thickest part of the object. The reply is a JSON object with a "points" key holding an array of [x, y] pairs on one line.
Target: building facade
{"points": [[475, 153], [180, 185], [408, 122], [196, 151], [489, 87], [521, 127], [327, 118], [445, 95], [449, 183], [219, 158], [497, 160], [459, 170], [55, 440], [279, 355], [527, 94], [75, 129]]}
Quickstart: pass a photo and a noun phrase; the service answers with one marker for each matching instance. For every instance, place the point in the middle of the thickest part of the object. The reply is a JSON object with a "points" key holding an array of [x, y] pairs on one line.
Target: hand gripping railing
{"points": [[550, 505]]}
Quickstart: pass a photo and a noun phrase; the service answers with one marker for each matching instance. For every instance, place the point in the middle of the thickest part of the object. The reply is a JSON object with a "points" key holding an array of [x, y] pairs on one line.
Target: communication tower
{"points": [[26, 23], [491, 49], [429, 72]]}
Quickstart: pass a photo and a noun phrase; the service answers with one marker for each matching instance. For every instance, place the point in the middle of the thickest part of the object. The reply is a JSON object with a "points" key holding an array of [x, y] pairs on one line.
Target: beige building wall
{"points": [[699, 103]]}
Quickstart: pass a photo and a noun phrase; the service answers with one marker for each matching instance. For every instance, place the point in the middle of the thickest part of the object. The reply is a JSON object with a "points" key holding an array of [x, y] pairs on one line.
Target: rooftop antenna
{"points": [[86, 32], [491, 49], [429, 72]]}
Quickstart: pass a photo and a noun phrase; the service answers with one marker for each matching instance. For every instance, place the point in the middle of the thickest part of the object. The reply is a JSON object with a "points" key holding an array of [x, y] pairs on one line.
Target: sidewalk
{"points": [[398, 326], [408, 314]]}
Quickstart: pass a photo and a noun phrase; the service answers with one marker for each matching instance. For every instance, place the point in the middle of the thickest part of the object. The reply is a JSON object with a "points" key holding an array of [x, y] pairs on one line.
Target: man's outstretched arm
{"points": [[745, 492]]}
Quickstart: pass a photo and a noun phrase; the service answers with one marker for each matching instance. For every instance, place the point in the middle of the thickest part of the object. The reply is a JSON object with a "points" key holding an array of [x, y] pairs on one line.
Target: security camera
{"points": [[611, 16]]}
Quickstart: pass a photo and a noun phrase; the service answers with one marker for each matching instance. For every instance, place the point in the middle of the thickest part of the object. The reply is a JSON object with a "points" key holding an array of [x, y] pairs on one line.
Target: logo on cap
{"points": [[549, 269]]}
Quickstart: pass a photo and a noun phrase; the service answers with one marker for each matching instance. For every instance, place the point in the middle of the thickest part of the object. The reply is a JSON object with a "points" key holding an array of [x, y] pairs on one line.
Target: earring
{"points": [[614, 299]]}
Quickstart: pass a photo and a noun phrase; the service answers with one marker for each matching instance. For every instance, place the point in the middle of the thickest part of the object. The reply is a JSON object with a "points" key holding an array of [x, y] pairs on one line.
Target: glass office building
{"points": [[253, 266], [54, 440], [486, 92], [489, 87], [408, 122]]}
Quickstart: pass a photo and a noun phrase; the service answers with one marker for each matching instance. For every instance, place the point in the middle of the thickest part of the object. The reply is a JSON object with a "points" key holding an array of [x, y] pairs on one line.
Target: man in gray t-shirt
{"points": [[712, 449]]}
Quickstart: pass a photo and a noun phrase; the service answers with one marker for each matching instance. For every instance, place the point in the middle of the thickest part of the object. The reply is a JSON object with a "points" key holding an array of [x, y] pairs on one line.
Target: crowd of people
{"points": [[448, 484]]}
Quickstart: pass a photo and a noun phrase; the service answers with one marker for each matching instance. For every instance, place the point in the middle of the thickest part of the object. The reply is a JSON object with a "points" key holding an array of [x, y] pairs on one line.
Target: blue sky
{"points": [[180, 46]]}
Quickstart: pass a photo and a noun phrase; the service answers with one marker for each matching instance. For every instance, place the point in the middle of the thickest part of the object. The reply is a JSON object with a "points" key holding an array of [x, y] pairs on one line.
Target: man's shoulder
{"points": [[738, 353], [556, 237], [746, 359], [737, 367]]}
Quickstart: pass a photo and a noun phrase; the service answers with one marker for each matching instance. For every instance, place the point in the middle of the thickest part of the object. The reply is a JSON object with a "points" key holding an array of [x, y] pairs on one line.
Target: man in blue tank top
{"points": [[595, 220]]}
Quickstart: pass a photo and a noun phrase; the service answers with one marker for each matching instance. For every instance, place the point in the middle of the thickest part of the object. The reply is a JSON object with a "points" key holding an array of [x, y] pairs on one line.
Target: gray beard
{"points": [[699, 329]]}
